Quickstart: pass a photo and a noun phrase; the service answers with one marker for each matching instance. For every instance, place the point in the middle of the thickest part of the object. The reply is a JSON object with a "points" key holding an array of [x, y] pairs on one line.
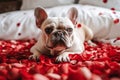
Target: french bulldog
{"points": [[60, 36]]}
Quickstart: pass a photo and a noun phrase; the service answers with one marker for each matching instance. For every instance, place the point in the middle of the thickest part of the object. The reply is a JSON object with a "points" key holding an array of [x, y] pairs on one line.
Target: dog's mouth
{"points": [[58, 45]]}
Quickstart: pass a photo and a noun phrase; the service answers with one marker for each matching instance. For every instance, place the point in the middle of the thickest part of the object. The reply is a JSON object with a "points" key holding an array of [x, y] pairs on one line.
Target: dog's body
{"points": [[60, 35]]}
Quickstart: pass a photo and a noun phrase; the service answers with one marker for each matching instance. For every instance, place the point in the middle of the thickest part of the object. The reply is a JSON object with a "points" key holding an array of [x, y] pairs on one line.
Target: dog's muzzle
{"points": [[58, 39]]}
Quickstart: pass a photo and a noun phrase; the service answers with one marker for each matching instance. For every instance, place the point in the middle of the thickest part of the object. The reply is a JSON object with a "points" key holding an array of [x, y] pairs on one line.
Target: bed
{"points": [[18, 33]]}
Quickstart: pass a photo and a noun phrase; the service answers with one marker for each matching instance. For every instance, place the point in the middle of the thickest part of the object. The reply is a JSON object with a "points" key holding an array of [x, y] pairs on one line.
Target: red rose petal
{"points": [[18, 24], [25, 75], [53, 76], [19, 34], [118, 38], [95, 77], [3, 72], [64, 68], [114, 12], [116, 21], [86, 72], [76, 75], [2, 78], [40, 77], [18, 65], [113, 9], [79, 25], [105, 1], [14, 74]]}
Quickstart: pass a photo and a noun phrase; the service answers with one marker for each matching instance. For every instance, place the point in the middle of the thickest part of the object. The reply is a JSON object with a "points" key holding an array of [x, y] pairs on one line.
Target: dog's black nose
{"points": [[58, 35]]}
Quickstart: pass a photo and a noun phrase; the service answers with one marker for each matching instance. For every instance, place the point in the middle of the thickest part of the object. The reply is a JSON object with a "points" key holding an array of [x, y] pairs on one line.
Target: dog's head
{"points": [[57, 31]]}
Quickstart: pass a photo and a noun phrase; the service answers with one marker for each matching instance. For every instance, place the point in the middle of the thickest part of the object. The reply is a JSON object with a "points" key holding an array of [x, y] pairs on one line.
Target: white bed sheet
{"points": [[105, 23]]}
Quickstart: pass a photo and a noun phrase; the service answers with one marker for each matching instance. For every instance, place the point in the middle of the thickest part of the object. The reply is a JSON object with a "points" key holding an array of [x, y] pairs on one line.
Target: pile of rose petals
{"points": [[101, 62]]}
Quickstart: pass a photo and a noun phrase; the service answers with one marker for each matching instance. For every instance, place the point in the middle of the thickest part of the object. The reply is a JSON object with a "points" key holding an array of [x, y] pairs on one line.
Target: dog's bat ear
{"points": [[40, 15], [73, 14]]}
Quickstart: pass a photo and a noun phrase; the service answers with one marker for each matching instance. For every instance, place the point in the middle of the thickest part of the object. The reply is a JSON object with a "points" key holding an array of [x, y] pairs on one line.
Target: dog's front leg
{"points": [[36, 54]]}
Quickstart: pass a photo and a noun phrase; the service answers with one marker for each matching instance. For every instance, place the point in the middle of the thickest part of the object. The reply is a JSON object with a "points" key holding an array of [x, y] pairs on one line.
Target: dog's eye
{"points": [[48, 30], [69, 29]]}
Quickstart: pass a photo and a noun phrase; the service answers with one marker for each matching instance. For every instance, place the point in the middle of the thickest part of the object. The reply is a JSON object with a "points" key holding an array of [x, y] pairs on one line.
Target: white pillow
{"points": [[31, 4], [111, 4]]}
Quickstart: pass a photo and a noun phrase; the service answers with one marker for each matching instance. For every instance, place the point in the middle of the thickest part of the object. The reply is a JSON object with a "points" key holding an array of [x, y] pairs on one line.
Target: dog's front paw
{"points": [[64, 57], [34, 57]]}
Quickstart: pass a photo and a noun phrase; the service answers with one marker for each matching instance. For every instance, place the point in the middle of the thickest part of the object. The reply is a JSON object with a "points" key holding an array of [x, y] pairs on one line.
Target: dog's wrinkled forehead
{"points": [[57, 22]]}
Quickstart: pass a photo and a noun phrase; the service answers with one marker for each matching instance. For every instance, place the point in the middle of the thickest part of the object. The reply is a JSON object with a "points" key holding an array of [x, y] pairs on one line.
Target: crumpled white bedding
{"points": [[104, 23]]}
